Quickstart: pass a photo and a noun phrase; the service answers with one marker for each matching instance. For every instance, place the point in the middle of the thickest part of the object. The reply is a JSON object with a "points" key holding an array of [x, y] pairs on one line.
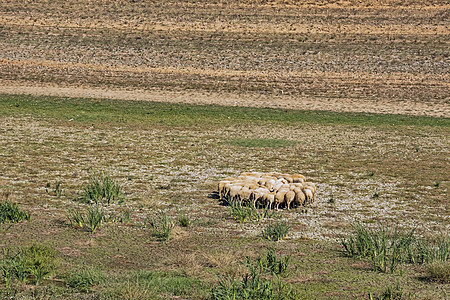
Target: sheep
{"points": [[221, 187], [309, 195], [298, 178], [285, 186], [261, 189], [289, 179], [278, 184], [244, 194], [258, 194], [279, 198], [311, 186], [300, 197], [289, 198], [270, 184], [269, 199], [251, 185], [225, 190], [264, 180], [234, 192]]}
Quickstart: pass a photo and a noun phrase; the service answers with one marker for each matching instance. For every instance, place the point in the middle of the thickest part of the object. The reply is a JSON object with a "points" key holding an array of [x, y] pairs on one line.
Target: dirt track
{"points": [[341, 56]]}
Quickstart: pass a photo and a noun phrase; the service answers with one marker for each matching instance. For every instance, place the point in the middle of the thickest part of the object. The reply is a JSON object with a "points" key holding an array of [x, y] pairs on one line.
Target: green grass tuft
{"points": [[11, 213], [36, 261], [386, 249], [260, 282], [162, 225], [91, 220], [276, 231], [270, 263], [145, 284], [184, 220], [241, 213], [94, 218], [102, 189], [393, 293], [83, 280]]}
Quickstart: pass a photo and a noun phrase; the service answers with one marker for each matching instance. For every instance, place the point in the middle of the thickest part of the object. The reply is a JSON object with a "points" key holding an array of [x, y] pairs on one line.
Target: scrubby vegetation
{"points": [[242, 213]]}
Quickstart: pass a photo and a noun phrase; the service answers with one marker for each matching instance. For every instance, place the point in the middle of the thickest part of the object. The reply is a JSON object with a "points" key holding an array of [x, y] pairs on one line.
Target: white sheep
{"points": [[300, 197], [279, 198], [309, 195], [298, 178], [289, 198], [311, 186], [258, 195], [221, 187], [234, 192], [267, 189], [244, 195]]}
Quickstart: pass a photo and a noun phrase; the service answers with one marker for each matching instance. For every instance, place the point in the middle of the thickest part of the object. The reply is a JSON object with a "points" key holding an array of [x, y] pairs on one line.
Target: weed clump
{"points": [[36, 261], [393, 293], [84, 280], [270, 263], [91, 220], [11, 213], [94, 218], [95, 215], [242, 213], [102, 189], [386, 249], [57, 190], [261, 281], [162, 226], [276, 231], [184, 220]]}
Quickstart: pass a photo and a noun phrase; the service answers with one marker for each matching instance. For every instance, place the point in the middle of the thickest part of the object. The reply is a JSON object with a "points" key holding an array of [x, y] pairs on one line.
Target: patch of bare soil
{"points": [[381, 57]]}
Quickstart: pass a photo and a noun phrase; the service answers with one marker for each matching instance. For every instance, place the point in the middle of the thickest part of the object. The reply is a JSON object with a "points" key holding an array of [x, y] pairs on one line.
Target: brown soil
{"points": [[380, 57]]}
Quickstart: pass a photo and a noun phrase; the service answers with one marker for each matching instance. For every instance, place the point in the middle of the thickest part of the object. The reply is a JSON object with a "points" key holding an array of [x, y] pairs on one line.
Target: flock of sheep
{"points": [[269, 190]]}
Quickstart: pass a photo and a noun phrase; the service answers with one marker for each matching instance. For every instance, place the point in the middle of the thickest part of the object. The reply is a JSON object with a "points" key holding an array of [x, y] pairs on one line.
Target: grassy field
{"points": [[376, 169]]}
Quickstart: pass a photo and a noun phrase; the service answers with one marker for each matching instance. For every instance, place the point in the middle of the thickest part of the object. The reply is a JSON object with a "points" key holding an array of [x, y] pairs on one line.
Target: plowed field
{"points": [[379, 56]]}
